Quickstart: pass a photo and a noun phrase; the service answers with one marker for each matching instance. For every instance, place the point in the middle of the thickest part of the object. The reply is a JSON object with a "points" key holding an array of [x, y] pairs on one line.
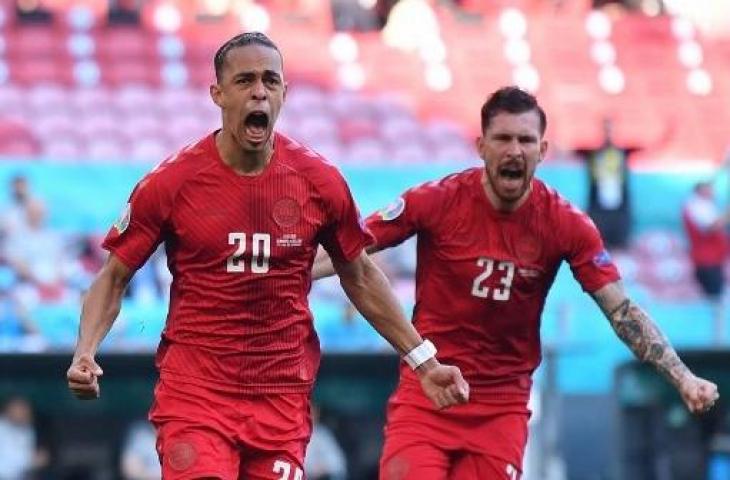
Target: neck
{"points": [[244, 162], [500, 204]]}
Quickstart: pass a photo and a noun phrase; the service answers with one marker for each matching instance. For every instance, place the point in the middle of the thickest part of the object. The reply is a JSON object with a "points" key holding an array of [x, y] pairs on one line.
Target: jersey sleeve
{"points": [[344, 237], [401, 219], [589, 261], [138, 232]]}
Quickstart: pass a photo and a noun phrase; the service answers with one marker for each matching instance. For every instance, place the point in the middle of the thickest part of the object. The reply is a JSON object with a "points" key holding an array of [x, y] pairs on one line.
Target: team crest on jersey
{"points": [[123, 222], [286, 212], [181, 456], [393, 211]]}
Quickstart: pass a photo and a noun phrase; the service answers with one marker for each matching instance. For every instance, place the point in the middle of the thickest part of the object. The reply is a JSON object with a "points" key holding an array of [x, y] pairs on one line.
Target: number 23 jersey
{"points": [[482, 276]]}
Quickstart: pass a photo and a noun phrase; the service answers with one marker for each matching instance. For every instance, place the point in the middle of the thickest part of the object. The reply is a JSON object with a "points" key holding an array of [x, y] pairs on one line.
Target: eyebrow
{"points": [[248, 73], [507, 134]]}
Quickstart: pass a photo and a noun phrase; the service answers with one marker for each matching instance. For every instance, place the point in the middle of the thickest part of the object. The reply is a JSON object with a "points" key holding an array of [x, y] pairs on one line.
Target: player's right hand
{"points": [[698, 394], [83, 377], [443, 384]]}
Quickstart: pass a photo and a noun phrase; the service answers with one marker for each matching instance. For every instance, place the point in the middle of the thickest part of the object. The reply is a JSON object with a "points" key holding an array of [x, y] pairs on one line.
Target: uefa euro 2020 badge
{"points": [[123, 222], [393, 211], [602, 259]]}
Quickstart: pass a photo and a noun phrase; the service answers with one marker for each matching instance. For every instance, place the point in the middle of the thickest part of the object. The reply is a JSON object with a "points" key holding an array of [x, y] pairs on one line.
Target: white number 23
{"points": [[478, 289]]}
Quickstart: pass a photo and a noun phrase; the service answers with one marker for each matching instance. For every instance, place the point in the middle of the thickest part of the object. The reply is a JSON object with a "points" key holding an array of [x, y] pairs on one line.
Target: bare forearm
{"points": [[322, 266], [372, 296], [646, 341], [100, 309]]}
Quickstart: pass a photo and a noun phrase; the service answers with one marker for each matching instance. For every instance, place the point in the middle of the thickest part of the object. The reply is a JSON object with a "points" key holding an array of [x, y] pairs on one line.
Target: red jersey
{"points": [[483, 276], [708, 244], [240, 249]]}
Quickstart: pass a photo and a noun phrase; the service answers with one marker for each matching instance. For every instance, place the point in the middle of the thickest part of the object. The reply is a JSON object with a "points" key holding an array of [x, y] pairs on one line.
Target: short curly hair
{"points": [[511, 100]]}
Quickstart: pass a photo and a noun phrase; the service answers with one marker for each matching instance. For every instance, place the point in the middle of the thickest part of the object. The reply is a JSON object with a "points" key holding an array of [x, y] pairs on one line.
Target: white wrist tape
{"points": [[421, 354]]}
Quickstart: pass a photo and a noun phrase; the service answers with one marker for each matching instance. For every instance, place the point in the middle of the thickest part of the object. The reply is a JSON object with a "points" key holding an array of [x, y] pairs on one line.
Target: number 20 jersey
{"points": [[240, 249], [483, 276]]}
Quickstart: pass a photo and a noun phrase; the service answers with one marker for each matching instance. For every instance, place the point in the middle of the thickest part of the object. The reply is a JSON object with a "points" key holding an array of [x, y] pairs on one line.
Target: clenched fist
{"points": [[83, 377], [698, 394], [443, 384]]}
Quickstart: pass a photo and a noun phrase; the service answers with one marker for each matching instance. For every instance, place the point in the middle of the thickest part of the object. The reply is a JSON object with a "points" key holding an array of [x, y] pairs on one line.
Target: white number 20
{"points": [[499, 294], [261, 251], [284, 468]]}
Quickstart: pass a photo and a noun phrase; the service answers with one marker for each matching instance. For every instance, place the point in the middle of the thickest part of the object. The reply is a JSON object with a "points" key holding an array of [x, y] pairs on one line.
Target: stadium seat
{"points": [[121, 43], [106, 149], [62, 148], [40, 42], [17, 140], [130, 71], [33, 70]]}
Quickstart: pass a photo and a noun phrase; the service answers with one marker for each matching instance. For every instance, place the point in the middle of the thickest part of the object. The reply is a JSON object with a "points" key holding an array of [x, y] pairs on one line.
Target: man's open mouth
{"points": [[256, 125], [511, 171]]}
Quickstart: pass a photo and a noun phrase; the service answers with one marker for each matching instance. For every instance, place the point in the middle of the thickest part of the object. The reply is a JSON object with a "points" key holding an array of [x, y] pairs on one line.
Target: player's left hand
{"points": [[698, 394], [443, 384]]}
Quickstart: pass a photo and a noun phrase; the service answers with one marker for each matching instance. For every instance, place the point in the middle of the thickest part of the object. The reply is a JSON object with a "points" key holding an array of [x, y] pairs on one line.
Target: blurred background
{"points": [[94, 93]]}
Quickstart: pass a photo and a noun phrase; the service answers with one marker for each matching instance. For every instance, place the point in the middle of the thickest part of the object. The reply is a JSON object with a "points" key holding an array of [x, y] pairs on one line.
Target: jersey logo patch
{"points": [[123, 222], [393, 211], [181, 456], [286, 212], [602, 259]]}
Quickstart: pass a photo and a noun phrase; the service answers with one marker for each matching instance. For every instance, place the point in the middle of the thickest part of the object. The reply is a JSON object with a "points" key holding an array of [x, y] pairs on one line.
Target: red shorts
{"points": [[475, 441], [204, 433]]}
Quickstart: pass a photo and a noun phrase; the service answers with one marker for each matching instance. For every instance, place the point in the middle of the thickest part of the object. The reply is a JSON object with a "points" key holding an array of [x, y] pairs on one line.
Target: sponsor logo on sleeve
{"points": [[602, 259], [393, 211], [123, 221]]}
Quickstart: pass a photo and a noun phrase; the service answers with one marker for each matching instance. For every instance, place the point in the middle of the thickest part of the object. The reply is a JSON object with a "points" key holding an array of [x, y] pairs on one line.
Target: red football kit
{"points": [[482, 278], [238, 354]]}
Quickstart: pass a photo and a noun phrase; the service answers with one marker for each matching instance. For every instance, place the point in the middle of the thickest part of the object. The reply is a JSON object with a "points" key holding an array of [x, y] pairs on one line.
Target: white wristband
{"points": [[421, 354]]}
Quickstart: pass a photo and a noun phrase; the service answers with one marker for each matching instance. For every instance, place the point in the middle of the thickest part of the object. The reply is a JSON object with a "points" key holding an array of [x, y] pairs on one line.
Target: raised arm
{"points": [[101, 307], [369, 290], [650, 345]]}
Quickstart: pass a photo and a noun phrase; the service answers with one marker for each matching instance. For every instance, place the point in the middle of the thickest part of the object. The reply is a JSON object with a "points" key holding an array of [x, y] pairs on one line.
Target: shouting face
{"points": [[511, 147], [250, 93]]}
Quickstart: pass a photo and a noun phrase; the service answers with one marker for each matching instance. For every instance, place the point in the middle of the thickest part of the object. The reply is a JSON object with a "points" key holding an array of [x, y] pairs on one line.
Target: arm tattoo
{"points": [[647, 342]]}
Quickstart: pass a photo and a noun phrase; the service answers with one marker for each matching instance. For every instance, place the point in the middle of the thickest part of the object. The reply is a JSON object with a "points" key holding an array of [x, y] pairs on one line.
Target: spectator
{"points": [[139, 459], [708, 244], [19, 453], [36, 254], [608, 199], [325, 459], [18, 332], [14, 215]]}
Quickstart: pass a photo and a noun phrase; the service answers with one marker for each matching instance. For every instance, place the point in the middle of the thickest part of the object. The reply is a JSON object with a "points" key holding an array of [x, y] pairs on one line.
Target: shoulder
{"points": [[301, 160], [566, 217], [172, 172], [448, 186]]}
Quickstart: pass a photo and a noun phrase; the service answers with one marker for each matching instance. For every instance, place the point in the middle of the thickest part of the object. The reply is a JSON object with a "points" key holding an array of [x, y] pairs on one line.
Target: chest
{"points": [[494, 258], [247, 223]]}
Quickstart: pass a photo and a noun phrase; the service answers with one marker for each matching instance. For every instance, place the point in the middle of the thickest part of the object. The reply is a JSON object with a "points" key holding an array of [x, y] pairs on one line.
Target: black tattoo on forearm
{"points": [[647, 342]]}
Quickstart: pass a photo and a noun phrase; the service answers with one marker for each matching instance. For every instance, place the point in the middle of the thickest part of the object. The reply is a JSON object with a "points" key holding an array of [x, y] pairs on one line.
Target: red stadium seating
{"points": [[655, 110]]}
